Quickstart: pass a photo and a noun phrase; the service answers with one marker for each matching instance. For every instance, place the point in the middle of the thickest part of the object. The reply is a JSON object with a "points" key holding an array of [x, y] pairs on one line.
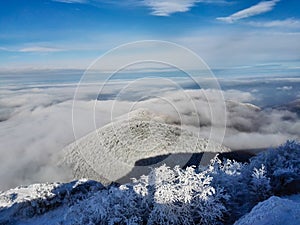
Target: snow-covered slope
{"points": [[110, 152], [21, 204], [275, 211]]}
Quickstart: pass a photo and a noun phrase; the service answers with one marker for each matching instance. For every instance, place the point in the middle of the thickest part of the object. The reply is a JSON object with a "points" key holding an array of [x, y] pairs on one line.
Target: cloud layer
{"points": [[37, 122], [287, 23]]}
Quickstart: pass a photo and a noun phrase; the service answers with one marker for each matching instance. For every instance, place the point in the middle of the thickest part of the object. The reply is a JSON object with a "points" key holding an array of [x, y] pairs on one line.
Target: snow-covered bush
{"points": [[165, 196], [268, 173], [184, 197], [282, 166], [88, 211], [117, 205], [260, 186], [233, 177]]}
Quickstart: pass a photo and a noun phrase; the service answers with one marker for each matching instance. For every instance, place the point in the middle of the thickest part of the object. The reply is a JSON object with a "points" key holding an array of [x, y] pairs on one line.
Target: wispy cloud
{"points": [[158, 7], [165, 8], [289, 23], [3, 49], [285, 88], [261, 7], [250, 48], [168, 7], [71, 1], [36, 49], [40, 49]]}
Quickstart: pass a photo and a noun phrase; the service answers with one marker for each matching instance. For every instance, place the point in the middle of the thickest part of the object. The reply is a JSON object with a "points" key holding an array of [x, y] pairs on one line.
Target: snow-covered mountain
{"points": [[110, 153]]}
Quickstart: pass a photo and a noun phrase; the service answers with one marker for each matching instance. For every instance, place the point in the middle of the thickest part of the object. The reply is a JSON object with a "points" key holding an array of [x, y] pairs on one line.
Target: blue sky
{"points": [[70, 34]]}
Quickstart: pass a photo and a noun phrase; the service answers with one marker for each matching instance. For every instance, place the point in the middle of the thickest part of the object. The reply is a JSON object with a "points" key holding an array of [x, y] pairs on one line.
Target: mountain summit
{"points": [[110, 153]]}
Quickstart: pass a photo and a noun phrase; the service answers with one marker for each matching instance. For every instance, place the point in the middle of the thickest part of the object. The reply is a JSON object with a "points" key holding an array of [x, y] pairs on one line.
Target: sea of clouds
{"points": [[36, 121]]}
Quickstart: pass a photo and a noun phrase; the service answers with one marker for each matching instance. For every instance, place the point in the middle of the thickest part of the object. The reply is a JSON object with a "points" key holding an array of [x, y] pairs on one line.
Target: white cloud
{"points": [[285, 88], [250, 48], [158, 7], [239, 96], [71, 1], [168, 7], [39, 49], [261, 7], [288, 23], [165, 8]]}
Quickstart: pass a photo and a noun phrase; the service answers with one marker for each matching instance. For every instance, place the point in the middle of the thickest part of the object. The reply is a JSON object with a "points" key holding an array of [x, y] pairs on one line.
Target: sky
{"points": [[71, 34], [47, 45]]}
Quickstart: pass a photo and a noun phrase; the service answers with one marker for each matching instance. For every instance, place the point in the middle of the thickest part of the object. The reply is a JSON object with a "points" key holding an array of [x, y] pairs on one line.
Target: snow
{"points": [[25, 202], [275, 211], [26, 193], [165, 195], [224, 192], [178, 195], [110, 152]]}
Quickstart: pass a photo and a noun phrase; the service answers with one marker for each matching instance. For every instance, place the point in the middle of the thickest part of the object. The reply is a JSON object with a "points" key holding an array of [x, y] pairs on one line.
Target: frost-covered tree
{"points": [[230, 175], [275, 171], [282, 166], [260, 186], [165, 196], [183, 197]]}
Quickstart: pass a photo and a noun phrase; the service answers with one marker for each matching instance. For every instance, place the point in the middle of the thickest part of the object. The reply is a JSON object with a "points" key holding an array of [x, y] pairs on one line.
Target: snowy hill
{"points": [[110, 153], [274, 210]]}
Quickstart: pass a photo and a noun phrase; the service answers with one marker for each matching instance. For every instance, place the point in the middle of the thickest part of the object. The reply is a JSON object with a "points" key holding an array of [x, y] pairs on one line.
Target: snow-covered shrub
{"points": [[268, 173], [183, 197], [260, 186], [88, 211], [282, 165], [117, 205], [125, 206], [165, 196], [233, 177]]}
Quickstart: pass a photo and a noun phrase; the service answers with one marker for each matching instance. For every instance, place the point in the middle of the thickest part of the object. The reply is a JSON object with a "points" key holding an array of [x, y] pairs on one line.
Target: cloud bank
{"points": [[36, 122]]}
